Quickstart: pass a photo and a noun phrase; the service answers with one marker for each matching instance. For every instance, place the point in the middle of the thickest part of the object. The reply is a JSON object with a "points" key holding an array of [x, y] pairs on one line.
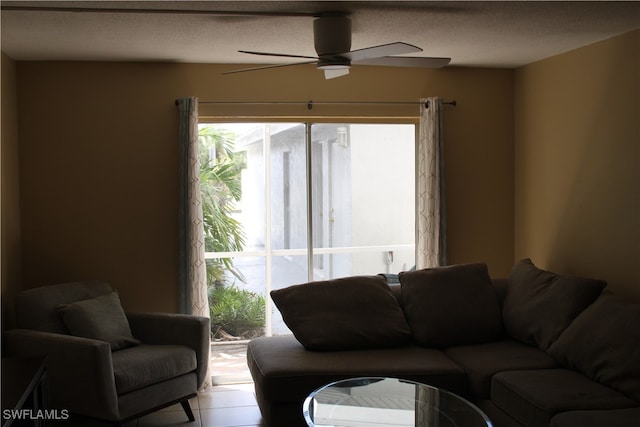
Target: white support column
{"points": [[309, 202], [266, 149]]}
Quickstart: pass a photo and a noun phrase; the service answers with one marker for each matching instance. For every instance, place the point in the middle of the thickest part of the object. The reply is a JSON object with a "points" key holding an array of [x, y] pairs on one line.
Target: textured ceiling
{"points": [[472, 33]]}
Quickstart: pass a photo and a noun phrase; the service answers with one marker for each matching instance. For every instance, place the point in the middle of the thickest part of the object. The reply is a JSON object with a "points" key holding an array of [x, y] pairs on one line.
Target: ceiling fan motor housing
{"points": [[332, 35]]}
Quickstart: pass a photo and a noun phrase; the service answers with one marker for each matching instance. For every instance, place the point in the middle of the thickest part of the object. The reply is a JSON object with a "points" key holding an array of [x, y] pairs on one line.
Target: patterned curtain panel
{"points": [[192, 266], [193, 273], [430, 214]]}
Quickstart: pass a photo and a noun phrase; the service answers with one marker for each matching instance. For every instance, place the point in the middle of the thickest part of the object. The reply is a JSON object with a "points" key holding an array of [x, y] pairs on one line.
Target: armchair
{"points": [[145, 362]]}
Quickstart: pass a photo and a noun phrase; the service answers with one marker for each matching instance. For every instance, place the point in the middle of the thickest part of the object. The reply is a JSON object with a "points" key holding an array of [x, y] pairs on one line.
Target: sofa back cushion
{"points": [[343, 314], [37, 308], [454, 305], [539, 305], [603, 343]]}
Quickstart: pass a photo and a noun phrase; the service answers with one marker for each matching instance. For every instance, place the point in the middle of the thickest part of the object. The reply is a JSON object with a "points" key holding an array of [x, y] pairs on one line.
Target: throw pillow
{"points": [[452, 305], [603, 342], [539, 305], [343, 314], [100, 318]]}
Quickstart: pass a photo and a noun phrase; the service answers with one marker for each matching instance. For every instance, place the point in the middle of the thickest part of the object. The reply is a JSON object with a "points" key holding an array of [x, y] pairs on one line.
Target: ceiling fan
{"points": [[332, 41]]}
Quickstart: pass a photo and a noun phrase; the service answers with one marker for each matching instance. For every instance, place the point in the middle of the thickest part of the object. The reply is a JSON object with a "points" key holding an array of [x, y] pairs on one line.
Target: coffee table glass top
{"points": [[386, 402]]}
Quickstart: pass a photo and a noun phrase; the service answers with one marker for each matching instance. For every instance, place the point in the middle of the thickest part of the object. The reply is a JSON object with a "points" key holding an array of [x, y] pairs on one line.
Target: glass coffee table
{"points": [[386, 402]]}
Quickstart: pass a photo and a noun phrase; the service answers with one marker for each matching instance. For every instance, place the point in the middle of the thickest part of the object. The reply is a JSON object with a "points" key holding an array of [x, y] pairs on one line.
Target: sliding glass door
{"points": [[316, 202]]}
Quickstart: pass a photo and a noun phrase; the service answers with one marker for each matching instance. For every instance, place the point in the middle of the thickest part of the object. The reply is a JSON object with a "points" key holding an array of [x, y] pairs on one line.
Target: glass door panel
{"points": [[286, 248], [363, 197]]}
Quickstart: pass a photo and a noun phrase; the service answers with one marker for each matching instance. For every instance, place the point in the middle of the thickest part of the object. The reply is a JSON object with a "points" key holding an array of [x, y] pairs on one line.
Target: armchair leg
{"points": [[187, 410]]}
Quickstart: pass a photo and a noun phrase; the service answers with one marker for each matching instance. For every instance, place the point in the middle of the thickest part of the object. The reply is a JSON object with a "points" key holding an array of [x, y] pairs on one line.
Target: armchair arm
{"points": [[177, 329], [79, 370]]}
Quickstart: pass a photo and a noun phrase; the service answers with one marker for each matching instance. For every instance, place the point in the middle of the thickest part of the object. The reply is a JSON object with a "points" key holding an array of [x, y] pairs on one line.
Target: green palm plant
{"points": [[220, 183], [236, 312]]}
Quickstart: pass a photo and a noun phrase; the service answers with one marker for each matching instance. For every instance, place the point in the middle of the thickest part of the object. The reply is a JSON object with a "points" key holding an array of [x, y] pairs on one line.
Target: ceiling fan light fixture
{"points": [[334, 67], [334, 63]]}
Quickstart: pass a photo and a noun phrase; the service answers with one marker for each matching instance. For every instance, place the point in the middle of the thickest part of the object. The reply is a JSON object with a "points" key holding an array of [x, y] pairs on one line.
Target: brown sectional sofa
{"points": [[536, 349]]}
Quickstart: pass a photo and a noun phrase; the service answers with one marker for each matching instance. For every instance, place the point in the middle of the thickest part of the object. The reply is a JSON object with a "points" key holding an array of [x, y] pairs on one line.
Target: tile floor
{"points": [[226, 405], [232, 405]]}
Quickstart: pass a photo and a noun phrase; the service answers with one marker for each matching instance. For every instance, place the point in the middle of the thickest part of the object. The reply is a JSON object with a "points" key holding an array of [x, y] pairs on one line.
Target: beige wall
{"points": [[98, 160], [11, 264], [577, 163]]}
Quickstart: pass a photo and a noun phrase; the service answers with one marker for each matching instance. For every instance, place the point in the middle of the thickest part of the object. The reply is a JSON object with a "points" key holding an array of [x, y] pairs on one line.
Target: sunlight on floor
{"points": [[229, 363]]}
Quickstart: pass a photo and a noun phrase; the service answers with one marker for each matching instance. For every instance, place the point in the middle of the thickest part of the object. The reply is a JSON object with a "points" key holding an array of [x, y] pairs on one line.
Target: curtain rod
{"points": [[311, 103]]}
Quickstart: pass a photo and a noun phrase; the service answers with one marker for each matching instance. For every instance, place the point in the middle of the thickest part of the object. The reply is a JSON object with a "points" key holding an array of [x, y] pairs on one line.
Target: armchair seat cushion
{"points": [[138, 367]]}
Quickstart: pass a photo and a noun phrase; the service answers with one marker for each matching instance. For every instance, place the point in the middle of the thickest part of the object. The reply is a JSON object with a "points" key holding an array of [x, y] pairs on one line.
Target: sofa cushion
{"points": [[36, 308], [603, 342], [539, 305], [100, 318], [452, 305], [349, 313], [482, 361], [138, 367], [534, 397], [284, 371], [612, 417]]}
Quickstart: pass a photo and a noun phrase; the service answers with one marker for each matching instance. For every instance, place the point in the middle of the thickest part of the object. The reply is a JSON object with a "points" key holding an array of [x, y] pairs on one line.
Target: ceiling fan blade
{"points": [[152, 10], [332, 74], [407, 61], [285, 55], [266, 67], [391, 49]]}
